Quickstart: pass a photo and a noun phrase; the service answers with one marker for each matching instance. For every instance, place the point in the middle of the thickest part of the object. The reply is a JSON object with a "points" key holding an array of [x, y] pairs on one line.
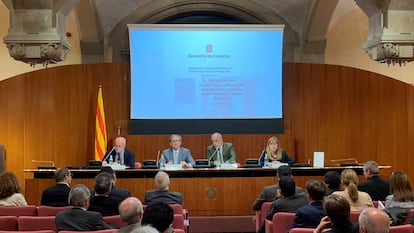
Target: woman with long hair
{"points": [[9, 190], [357, 200], [274, 153], [402, 195]]}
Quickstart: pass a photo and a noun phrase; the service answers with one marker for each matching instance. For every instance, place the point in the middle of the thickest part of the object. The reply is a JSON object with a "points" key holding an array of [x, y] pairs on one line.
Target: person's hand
{"points": [[325, 222], [184, 164], [104, 163]]}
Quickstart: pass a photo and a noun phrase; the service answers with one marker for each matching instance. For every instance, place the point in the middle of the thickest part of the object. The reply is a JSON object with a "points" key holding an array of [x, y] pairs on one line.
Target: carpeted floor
{"points": [[218, 224]]}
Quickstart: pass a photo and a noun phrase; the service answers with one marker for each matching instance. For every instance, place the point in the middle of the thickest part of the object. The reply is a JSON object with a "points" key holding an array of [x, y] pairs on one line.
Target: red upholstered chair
{"points": [[268, 226], [409, 216], [29, 210], [406, 228], [36, 223], [180, 222], [282, 221], [99, 231], [114, 220], [261, 214], [44, 210], [8, 223], [353, 217], [42, 231], [301, 230]]}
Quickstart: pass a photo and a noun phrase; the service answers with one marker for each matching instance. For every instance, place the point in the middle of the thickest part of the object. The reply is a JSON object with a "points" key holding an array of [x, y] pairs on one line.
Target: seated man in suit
{"points": [[101, 201], [131, 212], [160, 216], [269, 192], [120, 154], [377, 188], [177, 154], [115, 191], [288, 201], [162, 194], [220, 152], [309, 216], [58, 195], [78, 218]]}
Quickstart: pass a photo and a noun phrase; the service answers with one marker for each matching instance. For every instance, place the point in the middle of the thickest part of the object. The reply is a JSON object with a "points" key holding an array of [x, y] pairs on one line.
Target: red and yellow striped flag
{"points": [[100, 128]]}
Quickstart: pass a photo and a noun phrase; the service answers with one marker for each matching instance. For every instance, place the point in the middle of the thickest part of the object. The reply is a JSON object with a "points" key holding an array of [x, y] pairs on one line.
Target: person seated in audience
{"points": [[58, 194], [337, 211], [160, 216], [131, 212], [333, 181], [115, 191], [9, 190], [274, 153], [220, 152], [162, 193], [145, 229], [310, 215], [120, 155], [177, 154], [288, 200], [269, 192], [357, 199], [78, 218], [101, 201], [402, 195], [375, 186], [373, 220]]}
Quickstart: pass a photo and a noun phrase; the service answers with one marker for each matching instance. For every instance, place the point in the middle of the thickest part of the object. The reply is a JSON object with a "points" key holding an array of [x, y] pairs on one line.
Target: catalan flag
{"points": [[100, 128]]}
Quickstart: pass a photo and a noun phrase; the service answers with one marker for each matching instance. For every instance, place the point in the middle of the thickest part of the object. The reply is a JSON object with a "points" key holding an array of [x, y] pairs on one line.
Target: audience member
{"points": [[333, 181], [375, 186], [310, 215], [58, 195], [115, 191], [162, 194], [402, 195], [101, 201], [145, 229], [177, 154], [357, 199], [274, 153], [373, 220], [288, 201], [120, 154], [220, 152], [337, 211], [131, 213], [269, 192], [9, 190], [160, 216], [78, 218]]}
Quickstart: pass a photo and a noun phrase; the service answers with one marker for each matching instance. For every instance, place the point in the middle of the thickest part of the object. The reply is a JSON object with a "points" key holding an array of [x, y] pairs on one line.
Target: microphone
{"points": [[45, 161], [350, 161], [211, 156], [108, 154], [158, 158], [261, 156]]}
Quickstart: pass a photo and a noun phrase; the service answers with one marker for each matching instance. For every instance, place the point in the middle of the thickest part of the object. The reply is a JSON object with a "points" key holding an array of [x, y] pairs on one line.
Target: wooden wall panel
{"points": [[49, 114]]}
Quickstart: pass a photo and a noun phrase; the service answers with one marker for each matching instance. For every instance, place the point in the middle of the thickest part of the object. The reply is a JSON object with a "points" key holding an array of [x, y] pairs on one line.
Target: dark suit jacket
{"points": [[56, 195], [285, 158], [184, 154], [166, 197], [309, 216], [120, 192], [346, 227], [129, 157], [269, 194], [106, 205], [229, 155], [376, 187], [287, 204], [77, 219]]}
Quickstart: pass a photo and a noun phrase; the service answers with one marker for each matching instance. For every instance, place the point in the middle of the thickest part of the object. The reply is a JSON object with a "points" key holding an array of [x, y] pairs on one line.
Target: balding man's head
{"points": [[372, 220], [131, 210], [162, 181]]}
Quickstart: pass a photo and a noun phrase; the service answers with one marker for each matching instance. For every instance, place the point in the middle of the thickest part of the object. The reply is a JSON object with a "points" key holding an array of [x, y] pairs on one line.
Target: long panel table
{"points": [[206, 192]]}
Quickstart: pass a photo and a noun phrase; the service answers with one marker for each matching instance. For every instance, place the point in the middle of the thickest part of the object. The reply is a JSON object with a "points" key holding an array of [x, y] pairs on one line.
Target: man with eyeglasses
{"points": [[58, 195], [177, 154]]}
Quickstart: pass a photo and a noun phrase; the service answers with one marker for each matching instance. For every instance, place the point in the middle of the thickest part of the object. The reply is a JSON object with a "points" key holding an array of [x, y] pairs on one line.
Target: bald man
{"points": [[120, 154], [372, 220], [131, 212], [220, 152], [162, 194]]}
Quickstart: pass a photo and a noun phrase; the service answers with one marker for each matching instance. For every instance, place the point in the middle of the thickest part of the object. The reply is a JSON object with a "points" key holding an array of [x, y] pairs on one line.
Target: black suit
{"points": [[269, 194], [376, 187], [120, 192], [77, 219], [106, 205], [309, 216], [56, 195], [166, 197]]}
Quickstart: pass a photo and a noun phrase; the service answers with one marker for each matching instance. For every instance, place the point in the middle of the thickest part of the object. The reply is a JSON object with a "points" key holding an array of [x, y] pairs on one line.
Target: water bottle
{"points": [[266, 163], [111, 160]]}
